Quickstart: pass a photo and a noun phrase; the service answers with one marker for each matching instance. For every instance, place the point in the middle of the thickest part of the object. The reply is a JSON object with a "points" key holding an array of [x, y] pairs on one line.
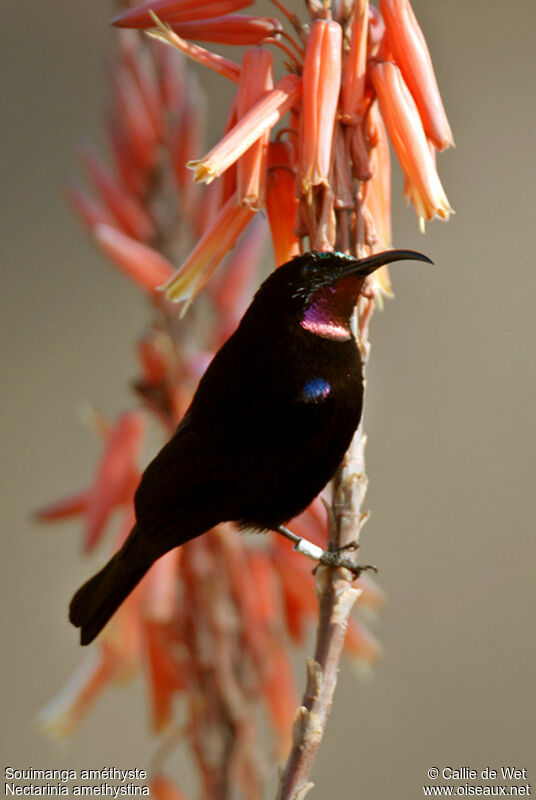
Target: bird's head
{"points": [[321, 289]]}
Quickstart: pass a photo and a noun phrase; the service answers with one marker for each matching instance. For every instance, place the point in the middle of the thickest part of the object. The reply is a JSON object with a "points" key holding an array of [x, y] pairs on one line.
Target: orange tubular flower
{"points": [[378, 197], [89, 211], [64, 712], [153, 361], [405, 130], [280, 694], [142, 264], [132, 175], [277, 679], [408, 45], [163, 672], [360, 645], [163, 789], [126, 209], [263, 116], [183, 141], [377, 201], [297, 587], [213, 246], [223, 66], [144, 73], [353, 90], [227, 186], [135, 118], [255, 81], [281, 201], [117, 475], [67, 507], [176, 11], [231, 291], [371, 597], [321, 85], [376, 30], [230, 29]]}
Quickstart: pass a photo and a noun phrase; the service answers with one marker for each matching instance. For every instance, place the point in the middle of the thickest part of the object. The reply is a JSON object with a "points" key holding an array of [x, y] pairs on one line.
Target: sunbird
{"points": [[266, 430]]}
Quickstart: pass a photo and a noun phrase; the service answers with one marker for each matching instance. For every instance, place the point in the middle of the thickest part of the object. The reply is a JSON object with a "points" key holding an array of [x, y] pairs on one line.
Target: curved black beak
{"points": [[365, 266]]}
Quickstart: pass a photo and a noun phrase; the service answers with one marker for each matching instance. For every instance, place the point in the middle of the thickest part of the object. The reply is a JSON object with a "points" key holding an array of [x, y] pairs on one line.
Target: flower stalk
{"points": [[211, 622]]}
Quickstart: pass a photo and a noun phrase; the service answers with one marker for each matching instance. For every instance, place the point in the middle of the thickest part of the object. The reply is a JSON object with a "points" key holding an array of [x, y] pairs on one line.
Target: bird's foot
{"points": [[329, 558], [334, 558], [353, 545]]}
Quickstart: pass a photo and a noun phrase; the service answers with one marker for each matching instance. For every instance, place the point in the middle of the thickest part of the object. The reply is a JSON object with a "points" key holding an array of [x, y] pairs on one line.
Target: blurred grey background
{"points": [[450, 416]]}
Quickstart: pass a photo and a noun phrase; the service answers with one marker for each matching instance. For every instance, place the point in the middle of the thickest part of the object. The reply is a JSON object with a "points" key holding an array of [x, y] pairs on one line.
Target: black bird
{"points": [[267, 428]]}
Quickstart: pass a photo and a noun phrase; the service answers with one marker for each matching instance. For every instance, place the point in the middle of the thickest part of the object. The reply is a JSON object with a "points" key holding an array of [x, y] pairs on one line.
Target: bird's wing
{"points": [[176, 485]]}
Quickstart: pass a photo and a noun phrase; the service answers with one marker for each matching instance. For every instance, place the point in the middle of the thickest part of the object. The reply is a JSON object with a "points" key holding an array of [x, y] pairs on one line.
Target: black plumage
{"points": [[267, 428]]}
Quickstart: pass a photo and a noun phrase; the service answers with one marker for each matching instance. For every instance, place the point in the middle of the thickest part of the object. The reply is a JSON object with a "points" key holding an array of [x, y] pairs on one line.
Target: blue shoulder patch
{"points": [[315, 390]]}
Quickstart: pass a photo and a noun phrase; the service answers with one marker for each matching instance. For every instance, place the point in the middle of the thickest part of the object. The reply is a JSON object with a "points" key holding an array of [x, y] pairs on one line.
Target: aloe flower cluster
{"points": [[211, 622]]}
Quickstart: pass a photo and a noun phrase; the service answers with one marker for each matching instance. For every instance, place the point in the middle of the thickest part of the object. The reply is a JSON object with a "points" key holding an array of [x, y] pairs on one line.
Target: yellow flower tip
{"points": [[382, 286], [158, 36], [253, 202], [202, 173], [182, 288], [445, 211], [177, 291], [163, 26], [422, 225], [186, 306], [306, 189]]}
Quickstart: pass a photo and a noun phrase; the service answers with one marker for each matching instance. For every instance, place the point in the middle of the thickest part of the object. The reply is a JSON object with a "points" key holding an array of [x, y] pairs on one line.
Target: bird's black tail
{"points": [[98, 599]]}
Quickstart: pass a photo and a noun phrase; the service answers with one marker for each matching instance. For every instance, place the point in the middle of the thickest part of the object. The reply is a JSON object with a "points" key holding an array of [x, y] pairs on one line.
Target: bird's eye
{"points": [[309, 270]]}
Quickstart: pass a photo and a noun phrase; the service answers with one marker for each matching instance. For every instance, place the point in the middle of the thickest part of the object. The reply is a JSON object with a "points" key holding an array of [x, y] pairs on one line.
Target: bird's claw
{"points": [[353, 546], [333, 558]]}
